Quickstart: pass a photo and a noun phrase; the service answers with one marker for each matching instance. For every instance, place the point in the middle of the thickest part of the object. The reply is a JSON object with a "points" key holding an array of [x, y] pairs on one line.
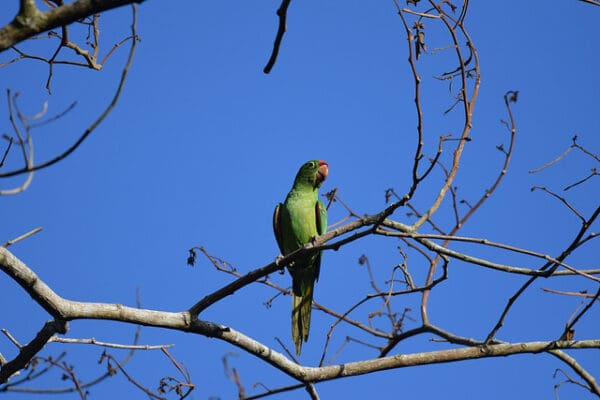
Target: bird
{"points": [[297, 221]]}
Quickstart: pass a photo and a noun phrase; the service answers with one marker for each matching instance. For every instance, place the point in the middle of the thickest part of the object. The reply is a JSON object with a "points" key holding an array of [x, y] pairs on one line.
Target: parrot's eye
{"points": [[310, 164]]}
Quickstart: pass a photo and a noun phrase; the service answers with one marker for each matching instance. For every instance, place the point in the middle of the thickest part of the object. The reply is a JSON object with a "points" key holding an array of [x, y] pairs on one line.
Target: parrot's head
{"points": [[312, 173]]}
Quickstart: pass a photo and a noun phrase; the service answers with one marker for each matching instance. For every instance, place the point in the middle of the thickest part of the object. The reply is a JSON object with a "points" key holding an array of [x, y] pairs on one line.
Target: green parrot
{"points": [[297, 221]]}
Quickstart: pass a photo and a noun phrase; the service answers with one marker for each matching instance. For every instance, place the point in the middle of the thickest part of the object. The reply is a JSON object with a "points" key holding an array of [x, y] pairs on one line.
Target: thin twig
{"points": [[583, 293], [95, 342], [10, 142], [22, 237], [569, 326]]}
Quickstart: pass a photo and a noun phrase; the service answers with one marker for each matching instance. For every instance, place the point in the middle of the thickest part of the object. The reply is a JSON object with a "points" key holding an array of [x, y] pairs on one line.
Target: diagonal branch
{"points": [[549, 268], [571, 362], [27, 352]]}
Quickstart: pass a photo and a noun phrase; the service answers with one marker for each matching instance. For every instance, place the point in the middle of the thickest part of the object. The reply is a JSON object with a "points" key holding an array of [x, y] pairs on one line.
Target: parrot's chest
{"points": [[301, 220]]}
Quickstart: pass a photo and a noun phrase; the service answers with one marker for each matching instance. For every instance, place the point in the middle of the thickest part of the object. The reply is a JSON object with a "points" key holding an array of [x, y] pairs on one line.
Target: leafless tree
{"points": [[421, 239]]}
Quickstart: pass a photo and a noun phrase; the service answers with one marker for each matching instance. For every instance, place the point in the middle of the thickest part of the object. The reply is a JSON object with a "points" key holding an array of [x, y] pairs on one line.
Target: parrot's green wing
{"points": [[321, 212], [277, 227], [321, 216]]}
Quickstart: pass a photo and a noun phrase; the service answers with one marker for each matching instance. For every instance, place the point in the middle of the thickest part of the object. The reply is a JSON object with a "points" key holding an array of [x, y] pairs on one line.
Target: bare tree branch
{"points": [[30, 21], [571, 362], [22, 237], [98, 121], [71, 310], [282, 14]]}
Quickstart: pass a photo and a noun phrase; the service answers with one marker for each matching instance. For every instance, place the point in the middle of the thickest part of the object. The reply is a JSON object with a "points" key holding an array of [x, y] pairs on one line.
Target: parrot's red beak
{"points": [[322, 172]]}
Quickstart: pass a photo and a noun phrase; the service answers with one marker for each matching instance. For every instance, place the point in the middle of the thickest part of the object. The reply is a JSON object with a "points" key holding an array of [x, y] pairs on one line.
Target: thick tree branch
{"points": [[30, 21], [182, 321]]}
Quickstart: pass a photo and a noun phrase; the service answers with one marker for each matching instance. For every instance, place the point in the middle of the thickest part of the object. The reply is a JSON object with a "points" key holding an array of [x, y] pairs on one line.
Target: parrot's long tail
{"points": [[301, 308]]}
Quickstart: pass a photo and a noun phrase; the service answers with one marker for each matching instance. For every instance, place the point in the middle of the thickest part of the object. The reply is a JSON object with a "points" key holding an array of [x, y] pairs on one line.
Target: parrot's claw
{"points": [[278, 263]]}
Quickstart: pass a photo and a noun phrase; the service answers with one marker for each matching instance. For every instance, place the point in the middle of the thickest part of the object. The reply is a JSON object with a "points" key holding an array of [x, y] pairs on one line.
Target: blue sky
{"points": [[202, 145]]}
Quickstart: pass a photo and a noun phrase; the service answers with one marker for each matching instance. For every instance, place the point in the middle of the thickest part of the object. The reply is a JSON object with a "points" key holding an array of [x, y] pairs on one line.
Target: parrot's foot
{"points": [[313, 239], [278, 263], [278, 260]]}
